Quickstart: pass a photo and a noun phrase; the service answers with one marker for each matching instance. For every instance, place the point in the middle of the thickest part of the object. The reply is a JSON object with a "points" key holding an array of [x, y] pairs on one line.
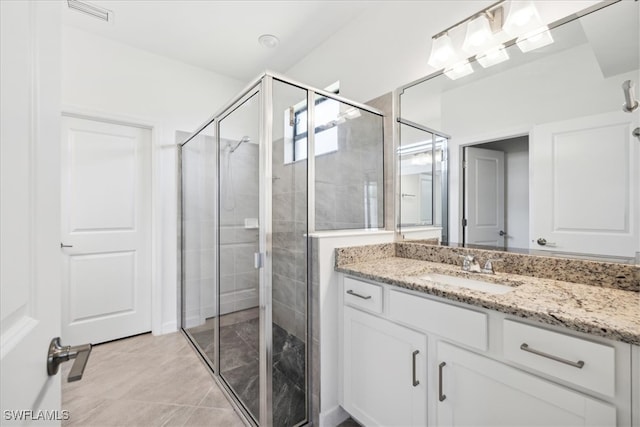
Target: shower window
{"points": [[326, 132]]}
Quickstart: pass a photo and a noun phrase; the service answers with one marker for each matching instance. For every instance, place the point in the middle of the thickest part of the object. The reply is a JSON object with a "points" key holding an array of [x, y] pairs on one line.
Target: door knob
{"points": [[58, 354], [502, 233], [543, 242]]}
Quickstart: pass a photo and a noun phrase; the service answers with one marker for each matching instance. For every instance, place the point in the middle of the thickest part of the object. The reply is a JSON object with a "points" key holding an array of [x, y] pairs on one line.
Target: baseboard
{"points": [[169, 327], [333, 417]]}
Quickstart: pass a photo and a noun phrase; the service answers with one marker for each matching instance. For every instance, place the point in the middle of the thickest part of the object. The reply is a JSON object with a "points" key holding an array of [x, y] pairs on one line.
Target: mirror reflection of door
{"points": [[496, 193]]}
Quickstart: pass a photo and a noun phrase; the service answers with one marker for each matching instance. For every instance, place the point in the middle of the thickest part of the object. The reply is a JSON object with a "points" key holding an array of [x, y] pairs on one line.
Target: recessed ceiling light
{"points": [[269, 41]]}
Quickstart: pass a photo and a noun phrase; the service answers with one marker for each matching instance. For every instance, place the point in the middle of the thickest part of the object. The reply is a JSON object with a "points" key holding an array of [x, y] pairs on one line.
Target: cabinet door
{"points": [[385, 371], [476, 391]]}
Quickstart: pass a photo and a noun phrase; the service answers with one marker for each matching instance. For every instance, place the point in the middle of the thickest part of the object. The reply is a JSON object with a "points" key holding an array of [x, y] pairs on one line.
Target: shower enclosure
{"points": [[250, 198]]}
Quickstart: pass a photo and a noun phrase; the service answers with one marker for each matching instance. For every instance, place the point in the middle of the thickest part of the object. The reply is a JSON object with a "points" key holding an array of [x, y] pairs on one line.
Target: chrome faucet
{"points": [[470, 264], [488, 266]]}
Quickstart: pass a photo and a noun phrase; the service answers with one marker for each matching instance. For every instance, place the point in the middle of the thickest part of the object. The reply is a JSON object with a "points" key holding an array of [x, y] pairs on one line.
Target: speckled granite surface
{"points": [[356, 254], [596, 273], [602, 311]]}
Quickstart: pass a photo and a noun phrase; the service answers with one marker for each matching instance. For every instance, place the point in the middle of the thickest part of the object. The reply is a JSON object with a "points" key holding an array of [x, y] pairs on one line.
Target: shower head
{"points": [[243, 139]]}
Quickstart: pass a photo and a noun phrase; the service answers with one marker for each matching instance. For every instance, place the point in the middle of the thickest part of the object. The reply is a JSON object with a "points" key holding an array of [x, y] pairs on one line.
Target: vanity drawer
{"points": [[458, 324], [363, 294], [581, 362]]}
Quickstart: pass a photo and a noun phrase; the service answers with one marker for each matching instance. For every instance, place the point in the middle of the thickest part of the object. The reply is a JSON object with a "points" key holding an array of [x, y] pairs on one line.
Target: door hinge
{"points": [[464, 222], [465, 164]]}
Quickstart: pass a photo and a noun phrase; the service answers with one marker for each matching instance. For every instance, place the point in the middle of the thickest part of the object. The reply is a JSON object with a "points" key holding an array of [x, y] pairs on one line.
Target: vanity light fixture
{"points": [[442, 51], [480, 30], [460, 69], [484, 37], [493, 56], [535, 39], [422, 159], [523, 18]]}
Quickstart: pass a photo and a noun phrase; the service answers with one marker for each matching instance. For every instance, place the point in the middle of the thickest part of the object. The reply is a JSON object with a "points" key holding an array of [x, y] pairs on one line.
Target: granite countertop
{"points": [[606, 312]]}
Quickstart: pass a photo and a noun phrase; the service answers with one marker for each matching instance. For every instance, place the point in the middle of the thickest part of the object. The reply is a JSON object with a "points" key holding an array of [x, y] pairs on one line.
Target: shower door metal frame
{"points": [[264, 86], [256, 88], [265, 174]]}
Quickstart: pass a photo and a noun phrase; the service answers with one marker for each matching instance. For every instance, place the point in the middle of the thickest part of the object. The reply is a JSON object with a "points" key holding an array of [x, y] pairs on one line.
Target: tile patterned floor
{"points": [[240, 364], [146, 381]]}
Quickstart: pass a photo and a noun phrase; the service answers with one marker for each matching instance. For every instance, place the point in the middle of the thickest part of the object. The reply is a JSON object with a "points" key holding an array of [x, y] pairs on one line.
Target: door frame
{"points": [[157, 274], [465, 182], [456, 159]]}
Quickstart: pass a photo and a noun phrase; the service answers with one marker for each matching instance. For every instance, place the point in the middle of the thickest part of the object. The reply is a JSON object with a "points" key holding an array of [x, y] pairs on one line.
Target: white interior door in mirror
{"points": [[484, 197], [106, 228], [576, 206]]}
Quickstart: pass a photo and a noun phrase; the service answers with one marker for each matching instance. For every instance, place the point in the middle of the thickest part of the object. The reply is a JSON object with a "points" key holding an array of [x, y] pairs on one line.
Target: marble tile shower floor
{"points": [[239, 364], [145, 381]]}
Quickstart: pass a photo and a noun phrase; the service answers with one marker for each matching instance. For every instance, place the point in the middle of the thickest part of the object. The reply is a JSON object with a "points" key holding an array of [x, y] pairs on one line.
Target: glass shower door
{"points": [[239, 231], [288, 254]]}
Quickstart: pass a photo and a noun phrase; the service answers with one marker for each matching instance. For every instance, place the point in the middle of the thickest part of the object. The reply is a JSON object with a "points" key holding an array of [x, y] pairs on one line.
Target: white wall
{"points": [[110, 79]]}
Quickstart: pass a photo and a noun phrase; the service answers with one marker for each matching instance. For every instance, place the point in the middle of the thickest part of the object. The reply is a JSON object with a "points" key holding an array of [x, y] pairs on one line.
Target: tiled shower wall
{"points": [[239, 201], [349, 181], [289, 243]]}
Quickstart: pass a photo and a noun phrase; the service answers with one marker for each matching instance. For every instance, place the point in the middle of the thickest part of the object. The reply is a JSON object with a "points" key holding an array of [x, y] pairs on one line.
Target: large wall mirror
{"points": [[541, 155]]}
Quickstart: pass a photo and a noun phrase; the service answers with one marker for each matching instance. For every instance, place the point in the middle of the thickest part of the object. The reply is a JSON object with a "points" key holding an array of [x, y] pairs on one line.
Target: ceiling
{"points": [[221, 36]]}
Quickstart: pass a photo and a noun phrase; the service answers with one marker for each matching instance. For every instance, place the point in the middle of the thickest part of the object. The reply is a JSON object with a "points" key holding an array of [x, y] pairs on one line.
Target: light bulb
{"points": [[460, 69], [494, 56], [441, 51], [523, 17], [535, 39], [478, 35]]}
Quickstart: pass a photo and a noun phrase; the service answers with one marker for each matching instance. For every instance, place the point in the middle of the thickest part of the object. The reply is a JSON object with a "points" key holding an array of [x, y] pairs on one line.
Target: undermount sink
{"points": [[463, 282]]}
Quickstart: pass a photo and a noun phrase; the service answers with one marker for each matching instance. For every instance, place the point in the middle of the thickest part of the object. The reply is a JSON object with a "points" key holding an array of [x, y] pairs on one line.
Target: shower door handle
{"points": [[258, 260]]}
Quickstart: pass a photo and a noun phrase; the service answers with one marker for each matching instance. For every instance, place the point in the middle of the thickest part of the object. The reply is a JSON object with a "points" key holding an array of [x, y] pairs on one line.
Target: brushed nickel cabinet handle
{"points": [[350, 292], [525, 347], [413, 357], [441, 396]]}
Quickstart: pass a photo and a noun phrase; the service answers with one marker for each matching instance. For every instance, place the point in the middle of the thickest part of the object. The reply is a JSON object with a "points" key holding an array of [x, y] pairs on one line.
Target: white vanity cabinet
{"points": [[384, 371], [474, 390], [409, 359]]}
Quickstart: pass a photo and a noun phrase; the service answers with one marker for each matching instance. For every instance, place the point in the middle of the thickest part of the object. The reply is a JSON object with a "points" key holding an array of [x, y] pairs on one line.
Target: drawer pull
{"points": [[441, 396], [350, 292], [579, 364], [415, 381]]}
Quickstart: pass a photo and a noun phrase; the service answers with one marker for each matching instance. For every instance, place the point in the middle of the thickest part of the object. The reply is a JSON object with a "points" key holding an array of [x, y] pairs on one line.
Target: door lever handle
{"points": [[58, 354], [62, 245]]}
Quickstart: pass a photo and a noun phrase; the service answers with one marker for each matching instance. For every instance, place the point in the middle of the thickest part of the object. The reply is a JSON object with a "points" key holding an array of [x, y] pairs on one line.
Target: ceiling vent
{"points": [[91, 10]]}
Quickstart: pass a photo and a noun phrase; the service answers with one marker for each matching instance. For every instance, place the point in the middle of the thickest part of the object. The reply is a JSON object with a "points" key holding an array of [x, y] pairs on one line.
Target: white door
{"points": [[106, 230], [29, 210], [477, 391], [484, 197], [575, 207], [385, 371]]}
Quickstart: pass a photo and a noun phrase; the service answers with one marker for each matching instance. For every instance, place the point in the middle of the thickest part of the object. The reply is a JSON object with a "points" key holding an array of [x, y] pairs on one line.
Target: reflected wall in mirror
{"points": [[568, 181]]}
